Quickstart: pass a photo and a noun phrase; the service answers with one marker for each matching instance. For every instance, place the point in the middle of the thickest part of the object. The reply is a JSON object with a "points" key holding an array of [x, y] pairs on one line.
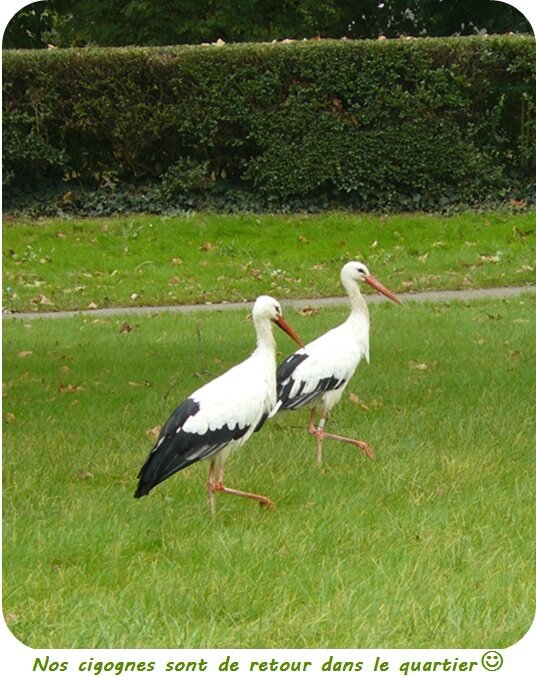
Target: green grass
{"points": [[431, 545], [150, 260]]}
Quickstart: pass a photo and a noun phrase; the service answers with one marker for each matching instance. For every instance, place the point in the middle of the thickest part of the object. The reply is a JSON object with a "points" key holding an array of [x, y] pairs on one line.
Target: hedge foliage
{"points": [[415, 123]]}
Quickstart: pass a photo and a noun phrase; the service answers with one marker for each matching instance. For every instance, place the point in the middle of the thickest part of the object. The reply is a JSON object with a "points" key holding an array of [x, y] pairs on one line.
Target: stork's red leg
{"points": [[211, 489], [219, 486], [314, 431], [321, 434]]}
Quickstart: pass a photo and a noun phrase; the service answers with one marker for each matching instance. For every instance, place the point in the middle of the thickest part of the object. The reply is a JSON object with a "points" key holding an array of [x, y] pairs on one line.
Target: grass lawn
{"points": [[431, 545], [151, 260]]}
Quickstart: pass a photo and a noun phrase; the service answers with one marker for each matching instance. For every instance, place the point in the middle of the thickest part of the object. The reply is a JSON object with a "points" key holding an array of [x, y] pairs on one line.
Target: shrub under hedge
{"points": [[371, 124]]}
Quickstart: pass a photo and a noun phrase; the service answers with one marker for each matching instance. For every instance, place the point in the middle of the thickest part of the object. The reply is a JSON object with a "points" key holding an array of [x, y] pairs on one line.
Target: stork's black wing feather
{"points": [[176, 449], [303, 394]]}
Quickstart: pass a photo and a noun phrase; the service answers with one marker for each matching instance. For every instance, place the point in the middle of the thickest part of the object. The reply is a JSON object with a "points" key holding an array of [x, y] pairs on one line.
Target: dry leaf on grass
{"points": [[42, 300], [308, 310], [421, 366], [357, 400], [153, 432], [70, 388], [25, 353]]}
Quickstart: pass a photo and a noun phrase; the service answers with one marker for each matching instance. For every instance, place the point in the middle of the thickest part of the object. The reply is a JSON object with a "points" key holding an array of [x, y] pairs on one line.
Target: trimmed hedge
{"points": [[415, 123]]}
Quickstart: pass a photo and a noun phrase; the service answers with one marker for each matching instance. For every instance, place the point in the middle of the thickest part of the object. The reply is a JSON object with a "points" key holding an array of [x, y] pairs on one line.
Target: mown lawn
{"points": [[151, 260], [431, 545]]}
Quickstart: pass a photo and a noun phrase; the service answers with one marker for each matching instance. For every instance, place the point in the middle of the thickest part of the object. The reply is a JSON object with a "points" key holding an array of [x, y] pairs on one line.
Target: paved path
{"points": [[463, 295]]}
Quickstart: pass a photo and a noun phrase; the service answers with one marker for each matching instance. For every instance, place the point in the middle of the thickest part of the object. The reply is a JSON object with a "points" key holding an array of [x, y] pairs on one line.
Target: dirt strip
{"points": [[452, 295]]}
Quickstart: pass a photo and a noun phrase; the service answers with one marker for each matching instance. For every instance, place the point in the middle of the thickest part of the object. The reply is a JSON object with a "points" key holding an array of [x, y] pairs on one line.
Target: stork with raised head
{"points": [[221, 415], [320, 371]]}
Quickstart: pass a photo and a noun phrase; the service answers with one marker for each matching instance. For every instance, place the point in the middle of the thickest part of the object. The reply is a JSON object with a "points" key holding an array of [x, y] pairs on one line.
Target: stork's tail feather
{"points": [[161, 463], [148, 476]]}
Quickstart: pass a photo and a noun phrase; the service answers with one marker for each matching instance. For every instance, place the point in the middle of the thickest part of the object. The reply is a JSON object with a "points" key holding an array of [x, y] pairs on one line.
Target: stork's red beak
{"points": [[373, 282], [285, 326]]}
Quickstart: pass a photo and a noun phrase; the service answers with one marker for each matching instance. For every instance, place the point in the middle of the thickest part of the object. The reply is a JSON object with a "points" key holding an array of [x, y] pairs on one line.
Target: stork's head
{"points": [[267, 308], [356, 272]]}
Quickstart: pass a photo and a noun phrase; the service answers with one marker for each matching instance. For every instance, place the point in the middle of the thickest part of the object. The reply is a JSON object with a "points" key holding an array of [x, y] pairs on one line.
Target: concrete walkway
{"points": [[453, 295]]}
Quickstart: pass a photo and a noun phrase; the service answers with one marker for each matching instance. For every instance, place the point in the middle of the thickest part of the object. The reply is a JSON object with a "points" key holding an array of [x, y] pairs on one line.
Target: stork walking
{"points": [[221, 415], [320, 371]]}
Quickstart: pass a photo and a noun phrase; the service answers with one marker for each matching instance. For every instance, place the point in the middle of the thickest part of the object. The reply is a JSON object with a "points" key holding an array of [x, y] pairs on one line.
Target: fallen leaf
{"points": [[42, 300], [521, 233], [421, 366], [125, 328], [25, 353], [308, 310], [65, 369], [134, 296], [153, 432], [138, 384], [206, 246], [84, 475], [490, 259], [92, 306], [69, 388], [423, 258], [521, 320], [357, 400], [176, 261], [10, 417], [174, 280]]}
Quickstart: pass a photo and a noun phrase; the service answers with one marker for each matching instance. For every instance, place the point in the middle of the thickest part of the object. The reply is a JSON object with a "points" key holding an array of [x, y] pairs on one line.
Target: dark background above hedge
{"points": [[76, 23]]}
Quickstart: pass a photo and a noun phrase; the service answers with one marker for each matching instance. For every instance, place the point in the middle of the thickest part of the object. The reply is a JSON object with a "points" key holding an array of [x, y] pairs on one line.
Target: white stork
{"points": [[221, 415], [321, 370]]}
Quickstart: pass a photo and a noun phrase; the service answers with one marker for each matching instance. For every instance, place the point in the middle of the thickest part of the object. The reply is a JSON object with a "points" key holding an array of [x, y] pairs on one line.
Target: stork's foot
{"points": [[264, 501], [321, 435]]}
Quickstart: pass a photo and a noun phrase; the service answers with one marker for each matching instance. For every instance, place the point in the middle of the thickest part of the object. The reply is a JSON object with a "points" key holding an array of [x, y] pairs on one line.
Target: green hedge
{"points": [[371, 124]]}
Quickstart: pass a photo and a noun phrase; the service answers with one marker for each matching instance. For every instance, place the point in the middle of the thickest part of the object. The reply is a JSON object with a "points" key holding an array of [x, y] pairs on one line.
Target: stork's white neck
{"points": [[265, 337], [357, 302]]}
